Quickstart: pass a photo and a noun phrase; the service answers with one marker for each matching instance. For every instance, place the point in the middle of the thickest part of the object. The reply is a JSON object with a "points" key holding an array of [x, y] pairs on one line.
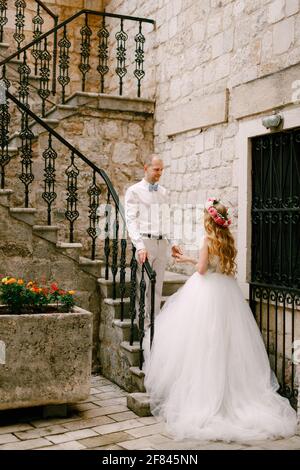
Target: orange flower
{"points": [[71, 292], [29, 284], [20, 282], [12, 280]]}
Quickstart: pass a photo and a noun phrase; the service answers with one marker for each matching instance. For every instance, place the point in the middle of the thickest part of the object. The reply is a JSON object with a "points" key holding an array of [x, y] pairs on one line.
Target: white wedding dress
{"points": [[208, 374]]}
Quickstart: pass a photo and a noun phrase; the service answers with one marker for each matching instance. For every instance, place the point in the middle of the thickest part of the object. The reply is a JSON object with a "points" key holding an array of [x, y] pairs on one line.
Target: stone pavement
{"points": [[103, 421]]}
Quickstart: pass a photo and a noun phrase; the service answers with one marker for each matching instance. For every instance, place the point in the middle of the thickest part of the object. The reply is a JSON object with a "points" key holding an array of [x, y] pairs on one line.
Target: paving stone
{"points": [[89, 423], [26, 445], [135, 444], [72, 436], [99, 441], [5, 438], [40, 432], [15, 428], [86, 406], [111, 401], [150, 420], [124, 416], [157, 439], [120, 426], [109, 447], [103, 411], [72, 445], [42, 423], [147, 430]]}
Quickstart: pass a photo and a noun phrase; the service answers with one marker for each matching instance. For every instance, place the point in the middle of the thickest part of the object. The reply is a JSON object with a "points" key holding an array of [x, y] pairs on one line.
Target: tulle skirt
{"points": [[208, 373]]}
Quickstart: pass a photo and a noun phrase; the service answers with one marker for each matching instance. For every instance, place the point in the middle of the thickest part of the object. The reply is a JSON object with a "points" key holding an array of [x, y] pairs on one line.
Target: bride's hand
{"points": [[180, 259]]}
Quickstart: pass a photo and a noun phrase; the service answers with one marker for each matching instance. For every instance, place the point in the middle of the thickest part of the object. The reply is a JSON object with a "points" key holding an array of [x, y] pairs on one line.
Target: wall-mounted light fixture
{"points": [[273, 121]]}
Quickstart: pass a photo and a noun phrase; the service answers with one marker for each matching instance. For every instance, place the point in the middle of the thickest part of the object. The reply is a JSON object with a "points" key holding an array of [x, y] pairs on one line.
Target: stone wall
{"points": [[216, 62]]}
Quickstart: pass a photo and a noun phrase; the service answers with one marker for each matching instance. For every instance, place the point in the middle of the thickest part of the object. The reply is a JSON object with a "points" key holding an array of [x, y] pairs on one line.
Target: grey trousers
{"points": [[157, 256]]}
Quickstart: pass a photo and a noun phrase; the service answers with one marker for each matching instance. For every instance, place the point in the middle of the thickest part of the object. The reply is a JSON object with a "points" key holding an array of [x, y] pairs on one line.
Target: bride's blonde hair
{"points": [[220, 241]]}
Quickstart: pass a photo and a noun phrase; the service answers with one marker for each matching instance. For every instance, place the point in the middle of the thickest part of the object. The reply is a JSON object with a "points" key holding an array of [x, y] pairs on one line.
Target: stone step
{"points": [[5, 197], [61, 111], [81, 98], [138, 377], [95, 267], [15, 140], [48, 232], [72, 250], [139, 403], [111, 102], [123, 328], [115, 304], [25, 214], [172, 283], [132, 352]]}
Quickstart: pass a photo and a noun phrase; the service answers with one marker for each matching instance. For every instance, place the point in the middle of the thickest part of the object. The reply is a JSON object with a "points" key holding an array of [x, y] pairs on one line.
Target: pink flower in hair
{"points": [[219, 221], [213, 211]]}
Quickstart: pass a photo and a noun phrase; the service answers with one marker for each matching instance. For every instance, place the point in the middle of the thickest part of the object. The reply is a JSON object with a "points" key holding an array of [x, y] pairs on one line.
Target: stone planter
{"points": [[45, 358]]}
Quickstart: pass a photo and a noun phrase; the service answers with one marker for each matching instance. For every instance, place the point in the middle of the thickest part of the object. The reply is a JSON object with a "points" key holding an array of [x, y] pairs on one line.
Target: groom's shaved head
{"points": [[152, 159], [153, 166]]}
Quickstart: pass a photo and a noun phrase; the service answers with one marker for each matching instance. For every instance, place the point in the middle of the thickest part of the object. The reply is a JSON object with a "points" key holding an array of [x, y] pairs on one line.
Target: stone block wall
{"points": [[216, 62]]}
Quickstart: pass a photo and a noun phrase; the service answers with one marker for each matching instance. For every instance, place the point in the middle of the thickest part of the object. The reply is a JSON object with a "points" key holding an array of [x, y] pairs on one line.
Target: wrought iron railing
{"points": [[275, 310], [275, 269], [98, 188], [20, 18], [96, 64]]}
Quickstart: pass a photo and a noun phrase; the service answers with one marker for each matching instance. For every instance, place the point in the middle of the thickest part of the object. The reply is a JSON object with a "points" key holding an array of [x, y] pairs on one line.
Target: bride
{"points": [[208, 373]]}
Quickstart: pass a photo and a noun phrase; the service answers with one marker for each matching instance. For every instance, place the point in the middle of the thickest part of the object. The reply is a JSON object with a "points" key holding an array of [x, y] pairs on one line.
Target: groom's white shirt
{"points": [[147, 212]]}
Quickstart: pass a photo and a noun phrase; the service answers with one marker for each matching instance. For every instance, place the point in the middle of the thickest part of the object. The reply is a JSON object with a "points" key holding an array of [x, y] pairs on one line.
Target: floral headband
{"points": [[219, 219]]}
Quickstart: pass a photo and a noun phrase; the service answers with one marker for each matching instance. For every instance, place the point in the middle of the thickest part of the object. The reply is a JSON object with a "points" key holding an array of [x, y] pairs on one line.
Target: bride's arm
{"points": [[203, 258], [201, 263], [185, 259]]}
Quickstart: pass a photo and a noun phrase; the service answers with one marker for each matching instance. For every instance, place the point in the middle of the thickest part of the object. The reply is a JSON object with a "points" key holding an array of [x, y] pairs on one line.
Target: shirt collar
{"points": [[146, 183]]}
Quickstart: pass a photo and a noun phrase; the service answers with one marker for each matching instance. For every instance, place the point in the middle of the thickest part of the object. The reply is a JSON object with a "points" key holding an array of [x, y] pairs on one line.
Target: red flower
{"points": [[212, 211], [219, 221]]}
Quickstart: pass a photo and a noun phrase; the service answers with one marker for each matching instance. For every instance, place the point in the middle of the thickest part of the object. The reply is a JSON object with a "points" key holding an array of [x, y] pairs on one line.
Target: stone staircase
{"points": [[118, 359]]}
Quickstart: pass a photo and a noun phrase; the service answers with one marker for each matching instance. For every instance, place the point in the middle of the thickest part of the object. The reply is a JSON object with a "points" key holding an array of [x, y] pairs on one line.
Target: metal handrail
{"points": [[42, 4], [68, 20]]}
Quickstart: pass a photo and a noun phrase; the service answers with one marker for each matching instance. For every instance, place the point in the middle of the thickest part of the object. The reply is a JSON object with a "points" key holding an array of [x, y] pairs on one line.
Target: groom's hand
{"points": [[176, 250], [142, 256]]}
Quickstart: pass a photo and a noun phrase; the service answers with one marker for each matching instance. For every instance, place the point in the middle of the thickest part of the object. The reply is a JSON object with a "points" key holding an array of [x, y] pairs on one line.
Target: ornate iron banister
{"points": [[47, 63], [55, 134], [44, 7], [67, 21]]}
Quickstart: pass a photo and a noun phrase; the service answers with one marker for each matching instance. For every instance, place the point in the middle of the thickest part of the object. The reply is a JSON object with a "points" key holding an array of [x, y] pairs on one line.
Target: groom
{"points": [[144, 205]]}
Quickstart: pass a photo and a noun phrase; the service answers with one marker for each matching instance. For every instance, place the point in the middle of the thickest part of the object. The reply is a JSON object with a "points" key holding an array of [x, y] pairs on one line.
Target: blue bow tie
{"points": [[153, 187]]}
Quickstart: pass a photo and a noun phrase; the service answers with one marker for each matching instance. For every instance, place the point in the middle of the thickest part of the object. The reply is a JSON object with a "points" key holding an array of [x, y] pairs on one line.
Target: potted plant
{"points": [[45, 345]]}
